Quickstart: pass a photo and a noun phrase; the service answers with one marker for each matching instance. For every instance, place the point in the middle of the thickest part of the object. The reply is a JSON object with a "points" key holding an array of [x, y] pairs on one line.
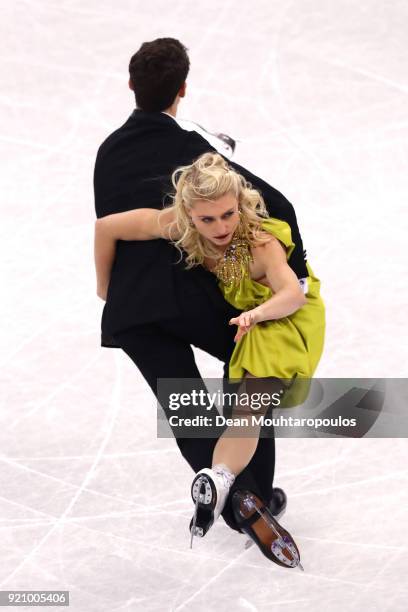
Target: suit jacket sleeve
{"points": [[111, 189]]}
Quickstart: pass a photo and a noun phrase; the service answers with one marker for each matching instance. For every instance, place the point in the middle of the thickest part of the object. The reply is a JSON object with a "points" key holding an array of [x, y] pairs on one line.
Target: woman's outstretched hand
{"points": [[245, 322]]}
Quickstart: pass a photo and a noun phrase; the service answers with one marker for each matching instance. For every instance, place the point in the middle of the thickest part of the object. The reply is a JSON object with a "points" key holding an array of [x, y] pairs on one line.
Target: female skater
{"points": [[220, 222]]}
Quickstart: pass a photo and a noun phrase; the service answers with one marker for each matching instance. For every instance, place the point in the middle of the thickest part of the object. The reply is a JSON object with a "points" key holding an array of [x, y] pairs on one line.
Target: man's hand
{"points": [[245, 321]]}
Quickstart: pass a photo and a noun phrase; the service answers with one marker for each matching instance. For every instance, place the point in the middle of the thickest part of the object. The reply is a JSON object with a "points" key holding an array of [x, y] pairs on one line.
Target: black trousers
{"points": [[163, 350]]}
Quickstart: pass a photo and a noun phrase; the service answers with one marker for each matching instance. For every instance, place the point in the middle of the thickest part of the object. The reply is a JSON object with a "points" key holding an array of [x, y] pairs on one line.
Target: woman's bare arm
{"points": [[288, 295], [140, 224]]}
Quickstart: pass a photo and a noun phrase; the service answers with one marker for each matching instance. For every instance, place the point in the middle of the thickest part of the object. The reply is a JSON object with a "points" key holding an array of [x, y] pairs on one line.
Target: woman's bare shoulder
{"points": [[269, 249], [264, 239]]}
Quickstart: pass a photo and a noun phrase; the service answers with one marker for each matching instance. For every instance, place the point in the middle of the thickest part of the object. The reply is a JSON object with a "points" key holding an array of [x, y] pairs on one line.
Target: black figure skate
{"points": [[255, 519]]}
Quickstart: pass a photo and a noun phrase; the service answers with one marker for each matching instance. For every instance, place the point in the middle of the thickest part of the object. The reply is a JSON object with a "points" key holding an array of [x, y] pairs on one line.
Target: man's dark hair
{"points": [[157, 71]]}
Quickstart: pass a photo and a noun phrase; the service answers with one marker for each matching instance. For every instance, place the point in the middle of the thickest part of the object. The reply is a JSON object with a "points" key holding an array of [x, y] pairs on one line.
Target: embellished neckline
{"points": [[234, 264]]}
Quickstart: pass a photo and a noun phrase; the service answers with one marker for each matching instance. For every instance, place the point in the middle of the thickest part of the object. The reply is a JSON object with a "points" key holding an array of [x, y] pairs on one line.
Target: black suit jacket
{"points": [[133, 170]]}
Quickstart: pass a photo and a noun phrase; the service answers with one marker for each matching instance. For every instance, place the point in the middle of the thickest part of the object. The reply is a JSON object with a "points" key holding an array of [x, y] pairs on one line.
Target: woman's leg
{"points": [[237, 445]]}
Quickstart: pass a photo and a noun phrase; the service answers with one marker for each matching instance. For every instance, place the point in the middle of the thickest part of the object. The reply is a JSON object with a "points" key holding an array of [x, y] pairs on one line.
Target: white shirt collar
{"points": [[168, 114]]}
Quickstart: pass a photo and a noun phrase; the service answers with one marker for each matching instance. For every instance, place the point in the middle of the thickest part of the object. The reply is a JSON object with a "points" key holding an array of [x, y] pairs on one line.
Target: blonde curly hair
{"points": [[209, 178]]}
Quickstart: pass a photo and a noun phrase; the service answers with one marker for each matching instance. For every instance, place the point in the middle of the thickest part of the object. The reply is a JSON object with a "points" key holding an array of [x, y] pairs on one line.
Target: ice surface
{"points": [[315, 92]]}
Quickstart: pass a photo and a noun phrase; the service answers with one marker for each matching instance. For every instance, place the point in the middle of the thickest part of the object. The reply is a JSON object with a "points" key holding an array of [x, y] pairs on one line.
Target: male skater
{"points": [[152, 302]]}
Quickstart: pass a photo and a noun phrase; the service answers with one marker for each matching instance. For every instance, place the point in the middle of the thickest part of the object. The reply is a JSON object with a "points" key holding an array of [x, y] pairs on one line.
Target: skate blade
{"points": [[197, 530]]}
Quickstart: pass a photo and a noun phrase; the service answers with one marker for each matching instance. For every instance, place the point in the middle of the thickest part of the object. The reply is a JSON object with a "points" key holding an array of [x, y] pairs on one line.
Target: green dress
{"points": [[285, 348]]}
